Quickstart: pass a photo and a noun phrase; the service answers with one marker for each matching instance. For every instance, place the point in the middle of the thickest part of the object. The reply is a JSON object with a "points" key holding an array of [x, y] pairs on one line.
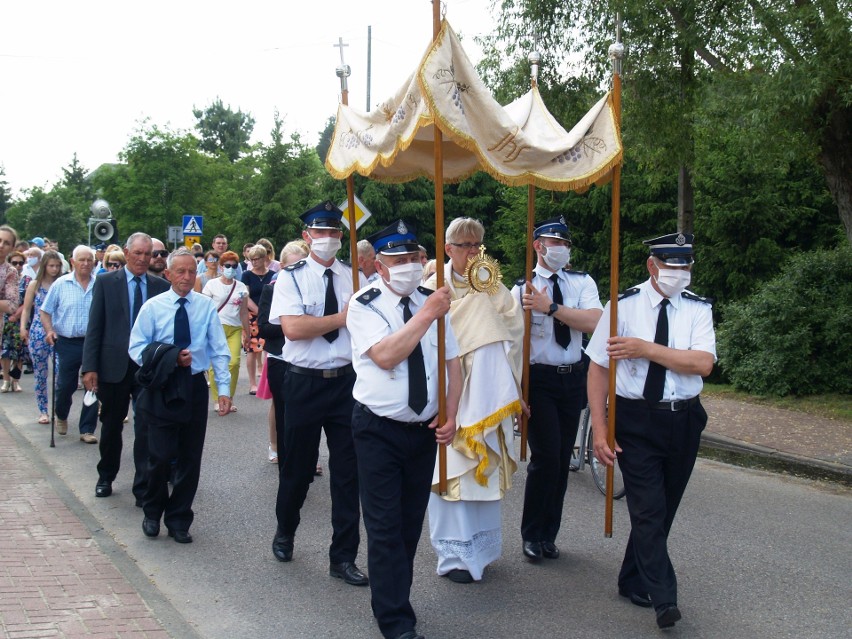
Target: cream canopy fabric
{"points": [[518, 144]]}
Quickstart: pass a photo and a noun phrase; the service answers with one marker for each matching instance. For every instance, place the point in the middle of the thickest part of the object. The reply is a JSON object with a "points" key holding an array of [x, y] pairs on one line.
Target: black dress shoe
{"points": [[103, 488], [282, 547], [641, 599], [348, 572], [549, 550], [667, 615], [181, 536], [411, 634], [459, 576], [151, 527], [532, 550]]}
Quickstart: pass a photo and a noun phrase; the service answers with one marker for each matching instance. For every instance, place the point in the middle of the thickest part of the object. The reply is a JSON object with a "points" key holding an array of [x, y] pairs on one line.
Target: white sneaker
{"points": [[272, 455]]}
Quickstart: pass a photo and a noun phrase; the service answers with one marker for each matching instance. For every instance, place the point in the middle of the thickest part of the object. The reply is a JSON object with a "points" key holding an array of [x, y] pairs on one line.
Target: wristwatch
{"points": [[553, 308]]}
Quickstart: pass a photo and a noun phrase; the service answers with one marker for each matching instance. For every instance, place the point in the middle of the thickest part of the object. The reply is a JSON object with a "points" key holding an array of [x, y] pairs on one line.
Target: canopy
{"points": [[519, 144]]}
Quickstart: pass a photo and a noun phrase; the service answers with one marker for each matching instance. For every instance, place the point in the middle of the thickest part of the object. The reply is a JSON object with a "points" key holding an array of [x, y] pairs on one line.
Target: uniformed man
{"points": [[664, 345], [564, 305], [395, 422], [310, 301]]}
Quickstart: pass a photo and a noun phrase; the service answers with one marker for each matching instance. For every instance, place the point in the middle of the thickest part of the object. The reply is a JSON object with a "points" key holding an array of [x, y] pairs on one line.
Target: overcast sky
{"points": [[79, 76]]}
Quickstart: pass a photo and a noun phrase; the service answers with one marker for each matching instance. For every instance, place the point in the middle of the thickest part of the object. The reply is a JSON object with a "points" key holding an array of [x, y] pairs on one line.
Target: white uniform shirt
{"points": [[578, 291], [690, 328], [301, 291], [385, 392]]}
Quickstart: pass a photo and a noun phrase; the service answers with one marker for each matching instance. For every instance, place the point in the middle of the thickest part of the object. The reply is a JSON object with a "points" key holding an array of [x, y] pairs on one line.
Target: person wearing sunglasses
{"points": [[14, 352], [157, 267], [211, 272], [114, 261]]}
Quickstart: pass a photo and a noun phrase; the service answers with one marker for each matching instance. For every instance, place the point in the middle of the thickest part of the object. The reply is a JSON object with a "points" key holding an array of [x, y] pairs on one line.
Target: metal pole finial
{"points": [[616, 49], [344, 70], [535, 60]]}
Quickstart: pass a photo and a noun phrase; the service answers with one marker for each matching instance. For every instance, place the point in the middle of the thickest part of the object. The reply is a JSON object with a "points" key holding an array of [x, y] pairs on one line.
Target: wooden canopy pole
{"points": [[616, 54], [343, 72], [439, 271], [534, 58]]}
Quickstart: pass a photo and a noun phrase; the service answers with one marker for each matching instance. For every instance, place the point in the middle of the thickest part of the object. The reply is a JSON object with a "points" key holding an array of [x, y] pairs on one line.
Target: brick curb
{"points": [[61, 575]]}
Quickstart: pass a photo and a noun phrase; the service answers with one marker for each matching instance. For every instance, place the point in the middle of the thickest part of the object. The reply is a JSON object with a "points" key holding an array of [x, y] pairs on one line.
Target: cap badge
{"points": [[562, 220], [680, 240], [328, 206], [401, 228]]}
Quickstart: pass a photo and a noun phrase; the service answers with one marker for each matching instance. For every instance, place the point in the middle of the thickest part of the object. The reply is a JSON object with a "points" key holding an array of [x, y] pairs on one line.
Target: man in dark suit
{"points": [[107, 369]]}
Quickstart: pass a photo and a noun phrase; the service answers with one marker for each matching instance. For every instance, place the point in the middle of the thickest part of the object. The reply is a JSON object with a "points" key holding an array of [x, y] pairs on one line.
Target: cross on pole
{"points": [[341, 45]]}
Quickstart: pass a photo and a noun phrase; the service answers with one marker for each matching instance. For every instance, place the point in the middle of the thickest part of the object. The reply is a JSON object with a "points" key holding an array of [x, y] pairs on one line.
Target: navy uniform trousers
{"points": [[395, 466], [115, 402], [659, 448], [313, 404], [556, 402], [181, 441]]}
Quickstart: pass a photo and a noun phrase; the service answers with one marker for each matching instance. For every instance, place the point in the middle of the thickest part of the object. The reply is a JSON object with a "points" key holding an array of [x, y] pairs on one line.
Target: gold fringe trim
{"points": [[469, 433], [600, 175]]}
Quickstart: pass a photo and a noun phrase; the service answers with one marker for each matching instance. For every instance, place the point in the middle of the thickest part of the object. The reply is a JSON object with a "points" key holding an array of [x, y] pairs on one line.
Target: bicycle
{"points": [[584, 454]]}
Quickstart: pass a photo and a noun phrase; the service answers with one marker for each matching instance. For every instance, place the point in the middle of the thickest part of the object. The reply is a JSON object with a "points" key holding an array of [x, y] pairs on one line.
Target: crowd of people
{"points": [[355, 356]]}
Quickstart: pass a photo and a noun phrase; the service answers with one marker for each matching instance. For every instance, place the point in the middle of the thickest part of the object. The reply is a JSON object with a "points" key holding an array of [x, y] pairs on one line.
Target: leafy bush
{"points": [[794, 336]]}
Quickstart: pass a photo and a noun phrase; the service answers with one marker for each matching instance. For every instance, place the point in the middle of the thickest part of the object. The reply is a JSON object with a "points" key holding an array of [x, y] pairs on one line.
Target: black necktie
{"points": [[137, 299], [562, 332], [330, 304], [416, 368], [182, 336], [656, 380]]}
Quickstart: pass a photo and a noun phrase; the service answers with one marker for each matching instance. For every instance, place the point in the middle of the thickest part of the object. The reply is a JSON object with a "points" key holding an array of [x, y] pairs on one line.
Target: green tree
{"points": [[792, 337], [288, 183], [223, 130], [5, 195], [796, 55], [164, 176], [48, 214], [74, 179]]}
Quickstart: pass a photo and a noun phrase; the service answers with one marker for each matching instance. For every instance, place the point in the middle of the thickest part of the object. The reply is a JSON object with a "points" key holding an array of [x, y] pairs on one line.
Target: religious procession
{"points": [[415, 382]]}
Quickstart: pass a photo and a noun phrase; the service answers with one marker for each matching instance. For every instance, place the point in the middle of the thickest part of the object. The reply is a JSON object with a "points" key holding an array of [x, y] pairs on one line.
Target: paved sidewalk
{"points": [[798, 442], [55, 580]]}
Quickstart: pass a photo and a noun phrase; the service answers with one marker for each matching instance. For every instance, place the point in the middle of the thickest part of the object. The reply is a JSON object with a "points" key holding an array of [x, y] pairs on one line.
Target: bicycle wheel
{"points": [[578, 453], [599, 473]]}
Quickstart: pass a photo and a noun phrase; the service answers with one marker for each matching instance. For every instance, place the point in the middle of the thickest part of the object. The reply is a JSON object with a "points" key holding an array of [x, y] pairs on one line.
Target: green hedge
{"points": [[794, 336]]}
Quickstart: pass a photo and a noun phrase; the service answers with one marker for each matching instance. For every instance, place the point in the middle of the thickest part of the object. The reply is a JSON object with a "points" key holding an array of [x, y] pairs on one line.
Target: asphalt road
{"points": [[757, 554]]}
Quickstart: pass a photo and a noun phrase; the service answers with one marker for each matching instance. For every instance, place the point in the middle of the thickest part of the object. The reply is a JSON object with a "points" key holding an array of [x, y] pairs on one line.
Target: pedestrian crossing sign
{"points": [[362, 213], [193, 225]]}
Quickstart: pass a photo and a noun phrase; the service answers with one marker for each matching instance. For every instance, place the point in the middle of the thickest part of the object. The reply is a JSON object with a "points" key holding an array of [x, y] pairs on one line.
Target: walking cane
{"points": [[53, 399]]}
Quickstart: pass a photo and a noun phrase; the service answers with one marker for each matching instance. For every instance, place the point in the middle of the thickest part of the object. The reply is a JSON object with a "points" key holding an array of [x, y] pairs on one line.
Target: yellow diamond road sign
{"points": [[362, 213]]}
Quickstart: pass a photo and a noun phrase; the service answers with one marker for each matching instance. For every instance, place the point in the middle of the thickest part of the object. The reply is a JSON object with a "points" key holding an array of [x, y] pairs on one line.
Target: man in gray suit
{"points": [[107, 369]]}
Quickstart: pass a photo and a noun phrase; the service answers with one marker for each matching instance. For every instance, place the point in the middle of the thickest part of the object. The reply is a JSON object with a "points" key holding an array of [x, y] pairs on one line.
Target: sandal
{"points": [[44, 419], [233, 408], [318, 471], [253, 390], [5, 387], [16, 387]]}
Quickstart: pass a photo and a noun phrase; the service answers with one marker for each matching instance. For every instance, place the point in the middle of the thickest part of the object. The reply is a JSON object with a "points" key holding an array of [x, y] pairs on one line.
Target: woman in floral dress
{"points": [[40, 351]]}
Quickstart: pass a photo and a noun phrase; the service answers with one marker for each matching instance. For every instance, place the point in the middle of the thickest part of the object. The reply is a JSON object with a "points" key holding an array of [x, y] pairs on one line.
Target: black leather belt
{"points": [[577, 367], [424, 424], [677, 405], [326, 373], [71, 339]]}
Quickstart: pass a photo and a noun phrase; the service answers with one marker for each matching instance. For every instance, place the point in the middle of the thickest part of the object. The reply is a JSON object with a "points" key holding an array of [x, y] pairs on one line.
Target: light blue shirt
{"points": [[131, 288], [68, 305], [156, 323]]}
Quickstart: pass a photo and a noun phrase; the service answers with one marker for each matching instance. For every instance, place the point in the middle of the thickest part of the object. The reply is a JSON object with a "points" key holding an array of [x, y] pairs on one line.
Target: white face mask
{"points": [[325, 248], [405, 278], [229, 272], [557, 257], [672, 281], [32, 261]]}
